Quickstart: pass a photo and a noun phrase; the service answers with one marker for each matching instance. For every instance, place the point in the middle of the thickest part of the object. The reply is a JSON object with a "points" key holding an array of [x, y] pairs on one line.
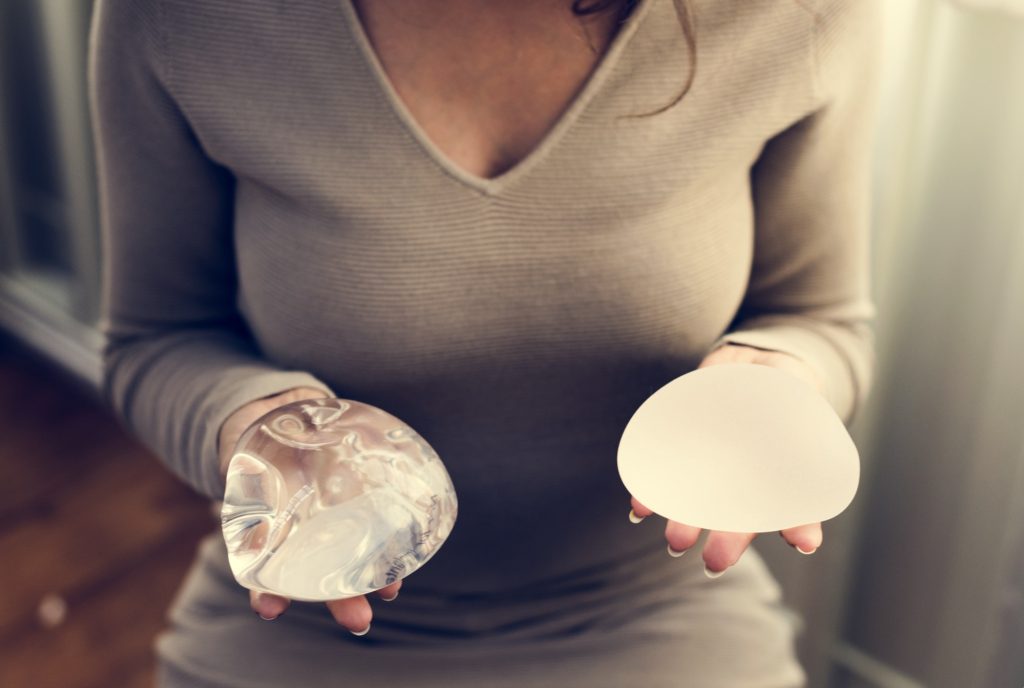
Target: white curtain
{"points": [[925, 583], [936, 586]]}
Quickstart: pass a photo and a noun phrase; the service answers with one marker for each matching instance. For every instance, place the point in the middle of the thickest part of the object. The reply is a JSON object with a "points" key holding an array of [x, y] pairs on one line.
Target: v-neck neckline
{"points": [[493, 185]]}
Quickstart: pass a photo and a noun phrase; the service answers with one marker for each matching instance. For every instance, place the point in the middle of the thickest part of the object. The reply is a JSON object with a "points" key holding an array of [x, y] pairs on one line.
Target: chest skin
{"points": [[486, 81], [624, 248]]}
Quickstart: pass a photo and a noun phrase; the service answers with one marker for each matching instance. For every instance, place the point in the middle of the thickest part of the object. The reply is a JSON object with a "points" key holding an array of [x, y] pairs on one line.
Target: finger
{"points": [[389, 592], [639, 512], [804, 539], [353, 613], [681, 537], [722, 549], [267, 606]]}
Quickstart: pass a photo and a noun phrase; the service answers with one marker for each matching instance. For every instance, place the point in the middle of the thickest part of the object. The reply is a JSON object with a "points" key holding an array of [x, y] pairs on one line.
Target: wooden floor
{"points": [[90, 522]]}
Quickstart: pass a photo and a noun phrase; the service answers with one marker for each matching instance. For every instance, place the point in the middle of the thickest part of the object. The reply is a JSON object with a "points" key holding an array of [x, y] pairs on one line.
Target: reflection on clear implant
{"points": [[333, 498]]}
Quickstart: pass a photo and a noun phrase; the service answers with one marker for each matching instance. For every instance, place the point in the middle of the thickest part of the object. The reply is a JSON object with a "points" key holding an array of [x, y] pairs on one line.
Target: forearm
{"points": [[840, 352], [174, 390]]}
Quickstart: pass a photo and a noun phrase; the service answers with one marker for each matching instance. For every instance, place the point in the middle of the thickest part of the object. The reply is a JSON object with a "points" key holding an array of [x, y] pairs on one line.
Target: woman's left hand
{"points": [[722, 549]]}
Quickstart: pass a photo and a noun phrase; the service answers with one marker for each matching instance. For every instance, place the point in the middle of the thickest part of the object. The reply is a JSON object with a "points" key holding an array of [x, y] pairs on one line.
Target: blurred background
{"points": [[919, 583]]}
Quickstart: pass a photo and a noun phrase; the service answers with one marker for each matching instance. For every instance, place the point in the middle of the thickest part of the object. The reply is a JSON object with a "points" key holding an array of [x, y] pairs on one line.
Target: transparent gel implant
{"points": [[333, 498]]}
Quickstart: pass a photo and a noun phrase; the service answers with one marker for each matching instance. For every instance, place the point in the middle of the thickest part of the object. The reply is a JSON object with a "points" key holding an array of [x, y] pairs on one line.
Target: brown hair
{"points": [[686, 20]]}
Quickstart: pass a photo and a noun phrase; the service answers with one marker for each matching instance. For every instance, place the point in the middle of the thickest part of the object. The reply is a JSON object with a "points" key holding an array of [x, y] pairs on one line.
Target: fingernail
{"points": [[801, 551], [390, 599], [634, 518], [713, 574], [265, 618], [676, 553], [362, 632]]}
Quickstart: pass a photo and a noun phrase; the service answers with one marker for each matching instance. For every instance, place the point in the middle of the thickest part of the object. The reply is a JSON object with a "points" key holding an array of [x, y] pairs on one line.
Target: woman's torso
{"points": [[515, 322]]}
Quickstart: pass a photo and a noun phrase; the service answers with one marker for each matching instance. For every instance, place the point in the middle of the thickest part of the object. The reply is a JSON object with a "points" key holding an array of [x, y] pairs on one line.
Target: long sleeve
{"points": [[178, 357], [809, 288]]}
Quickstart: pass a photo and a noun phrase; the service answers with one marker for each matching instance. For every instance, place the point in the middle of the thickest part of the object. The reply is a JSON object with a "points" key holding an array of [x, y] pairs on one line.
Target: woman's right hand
{"points": [[353, 613]]}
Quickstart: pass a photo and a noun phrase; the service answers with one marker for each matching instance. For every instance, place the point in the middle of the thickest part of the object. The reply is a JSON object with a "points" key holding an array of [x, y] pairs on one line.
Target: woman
{"points": [[507, 224]]}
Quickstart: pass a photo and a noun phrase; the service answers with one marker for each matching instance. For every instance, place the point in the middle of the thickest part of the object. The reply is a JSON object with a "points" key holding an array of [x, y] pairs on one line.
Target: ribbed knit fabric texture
{"points": [[273, 218]]}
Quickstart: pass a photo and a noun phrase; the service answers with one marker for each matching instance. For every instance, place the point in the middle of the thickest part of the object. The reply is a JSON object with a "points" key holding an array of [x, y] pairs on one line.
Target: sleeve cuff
{"points": [[837, 354]]}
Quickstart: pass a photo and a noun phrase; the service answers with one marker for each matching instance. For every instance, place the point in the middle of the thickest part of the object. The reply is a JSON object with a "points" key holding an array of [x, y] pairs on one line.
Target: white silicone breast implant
{"points": [[740, 447]]}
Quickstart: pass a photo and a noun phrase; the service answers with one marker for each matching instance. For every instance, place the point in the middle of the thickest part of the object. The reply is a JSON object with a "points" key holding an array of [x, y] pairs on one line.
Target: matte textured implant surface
{"points": [[739, 447]]}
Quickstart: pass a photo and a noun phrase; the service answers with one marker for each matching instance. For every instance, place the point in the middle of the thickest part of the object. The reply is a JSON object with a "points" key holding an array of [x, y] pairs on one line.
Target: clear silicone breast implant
{"points": [[333, 498]]}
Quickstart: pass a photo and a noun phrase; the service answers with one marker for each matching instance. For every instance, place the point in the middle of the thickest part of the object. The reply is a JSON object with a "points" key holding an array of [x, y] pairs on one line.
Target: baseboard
{"points": [[871, 671]]}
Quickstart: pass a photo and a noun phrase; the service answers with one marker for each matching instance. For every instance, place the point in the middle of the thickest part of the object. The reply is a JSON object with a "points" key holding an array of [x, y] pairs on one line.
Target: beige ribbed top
{"points": [[272, 217]]}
